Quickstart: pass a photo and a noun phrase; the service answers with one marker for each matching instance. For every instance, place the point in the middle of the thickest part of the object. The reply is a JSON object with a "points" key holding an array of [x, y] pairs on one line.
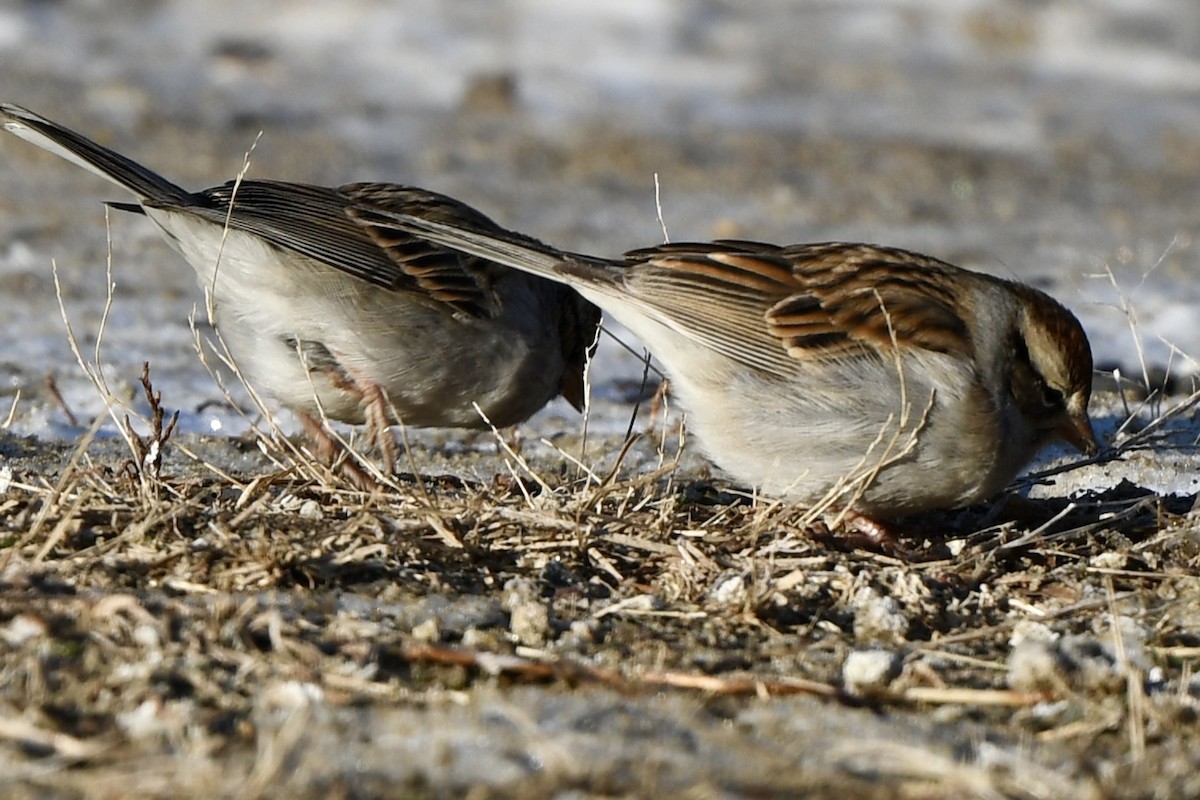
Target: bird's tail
{"points": [[506, 247], [82, 151]]}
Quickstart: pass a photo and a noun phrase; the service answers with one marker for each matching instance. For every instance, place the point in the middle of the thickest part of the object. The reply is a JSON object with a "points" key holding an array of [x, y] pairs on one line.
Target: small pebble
{"points": [[869, 672], [878, 619]]}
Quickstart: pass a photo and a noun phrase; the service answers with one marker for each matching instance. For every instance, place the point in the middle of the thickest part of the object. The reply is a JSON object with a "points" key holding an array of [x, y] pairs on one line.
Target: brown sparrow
{"points": [[870, 378], [331, 309]]}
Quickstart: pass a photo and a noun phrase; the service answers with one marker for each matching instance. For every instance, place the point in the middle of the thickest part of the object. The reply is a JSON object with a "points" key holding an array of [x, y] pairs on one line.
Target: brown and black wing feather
{"points": [[781, 306], [348, 229]]}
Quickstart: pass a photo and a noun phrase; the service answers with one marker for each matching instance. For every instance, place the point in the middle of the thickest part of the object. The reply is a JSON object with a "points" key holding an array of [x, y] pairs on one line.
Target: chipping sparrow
{"points": [[328, 307], [868, 377]]}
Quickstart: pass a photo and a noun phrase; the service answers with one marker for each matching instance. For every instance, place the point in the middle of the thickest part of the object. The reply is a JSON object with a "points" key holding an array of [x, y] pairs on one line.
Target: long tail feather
{"points": [[96, 158], [512, 249]]}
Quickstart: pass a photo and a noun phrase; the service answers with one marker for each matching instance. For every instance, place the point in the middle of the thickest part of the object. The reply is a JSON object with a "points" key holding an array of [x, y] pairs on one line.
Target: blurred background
{"points": [[1055, 141]]}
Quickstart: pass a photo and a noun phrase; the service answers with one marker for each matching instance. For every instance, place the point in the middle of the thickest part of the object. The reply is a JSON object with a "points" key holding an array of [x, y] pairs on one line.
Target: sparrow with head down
{"points": [[879, 379], [334, 311]]}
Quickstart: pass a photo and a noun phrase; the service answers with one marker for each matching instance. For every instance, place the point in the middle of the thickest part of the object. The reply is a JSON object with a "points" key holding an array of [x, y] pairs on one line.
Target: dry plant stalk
{"points": [[146, 464]]}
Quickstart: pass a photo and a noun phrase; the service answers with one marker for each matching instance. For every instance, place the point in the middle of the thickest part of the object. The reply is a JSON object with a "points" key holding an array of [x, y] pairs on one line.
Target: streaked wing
{"points": [[857, 296], [781, 305], [457, 279], [347, 228], [716, 295]]}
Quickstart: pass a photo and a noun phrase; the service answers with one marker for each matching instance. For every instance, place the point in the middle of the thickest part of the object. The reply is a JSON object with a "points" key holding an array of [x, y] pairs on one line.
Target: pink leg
{"points": [[375, 405], [331, 452], [375, 409]]}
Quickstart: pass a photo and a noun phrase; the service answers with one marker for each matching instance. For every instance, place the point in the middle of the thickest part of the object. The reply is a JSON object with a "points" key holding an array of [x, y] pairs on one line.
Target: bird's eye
{"points": [[1052, 398]]}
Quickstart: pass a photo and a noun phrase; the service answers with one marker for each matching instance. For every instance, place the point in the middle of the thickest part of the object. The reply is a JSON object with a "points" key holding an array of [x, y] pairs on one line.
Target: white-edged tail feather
{"points": [[92, 156]]}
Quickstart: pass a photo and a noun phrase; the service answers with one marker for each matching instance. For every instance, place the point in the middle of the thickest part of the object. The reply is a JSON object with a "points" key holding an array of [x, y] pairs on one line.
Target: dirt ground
{"points": [[235, 621]]}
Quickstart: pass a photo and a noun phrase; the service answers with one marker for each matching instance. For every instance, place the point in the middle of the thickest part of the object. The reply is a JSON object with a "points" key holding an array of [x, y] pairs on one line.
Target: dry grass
{"points": [[186, 627], [172, 627]]}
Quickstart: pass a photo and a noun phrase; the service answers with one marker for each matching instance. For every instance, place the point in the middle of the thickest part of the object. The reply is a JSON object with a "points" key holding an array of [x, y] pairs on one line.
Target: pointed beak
{"points": [[1077, 429]]}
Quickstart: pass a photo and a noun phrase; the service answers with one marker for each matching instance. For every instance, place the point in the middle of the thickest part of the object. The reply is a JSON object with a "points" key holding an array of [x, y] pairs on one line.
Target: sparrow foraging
{"points": [[332, 310], [852, 377]]}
